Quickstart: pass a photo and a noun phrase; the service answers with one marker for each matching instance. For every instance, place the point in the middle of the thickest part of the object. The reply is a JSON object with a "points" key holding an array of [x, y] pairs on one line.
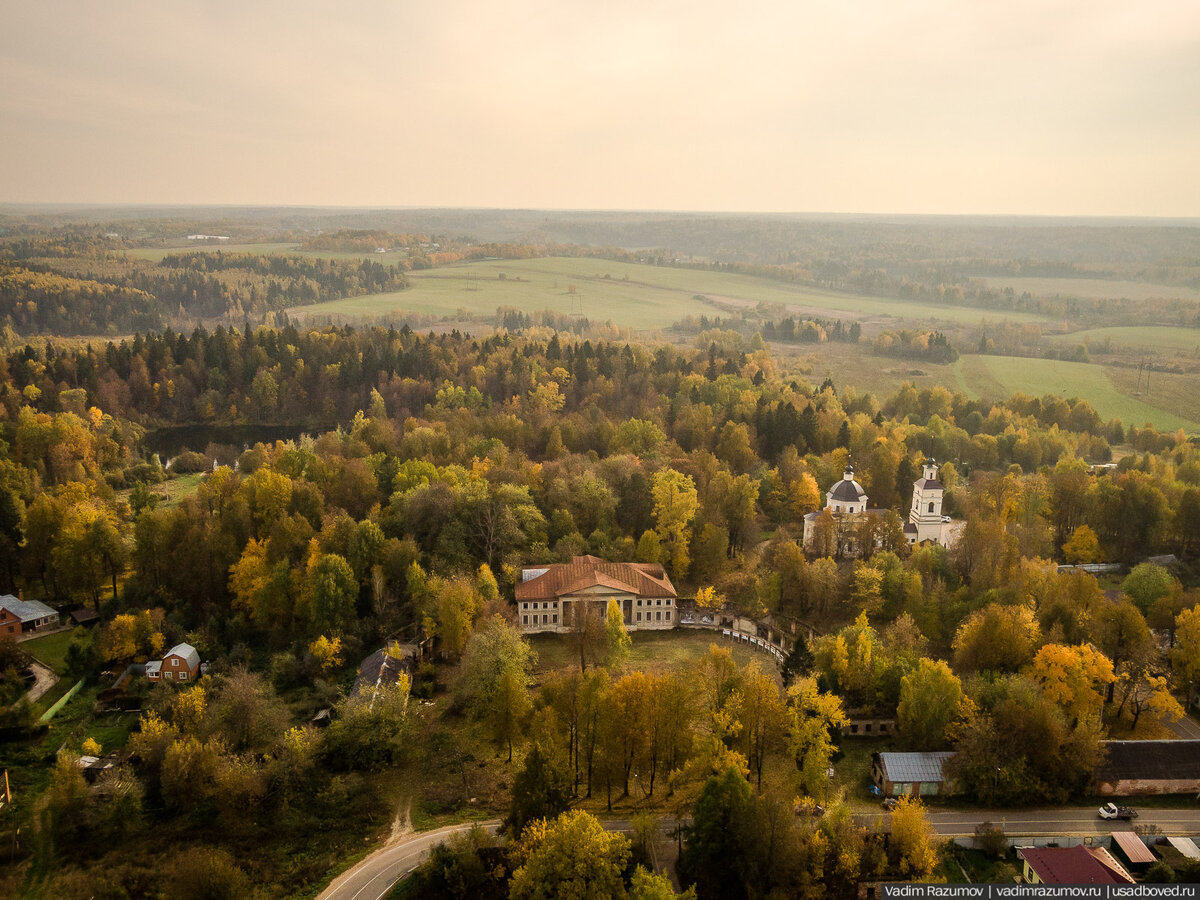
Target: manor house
{"points": [[550, 598]]}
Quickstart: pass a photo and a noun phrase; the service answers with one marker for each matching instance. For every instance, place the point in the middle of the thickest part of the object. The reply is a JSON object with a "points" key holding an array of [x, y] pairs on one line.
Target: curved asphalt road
{"points": [[374, 876]]}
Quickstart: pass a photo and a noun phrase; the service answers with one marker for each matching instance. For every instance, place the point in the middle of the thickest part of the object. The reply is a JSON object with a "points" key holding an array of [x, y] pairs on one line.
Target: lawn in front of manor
{"points": [[653, 651]]}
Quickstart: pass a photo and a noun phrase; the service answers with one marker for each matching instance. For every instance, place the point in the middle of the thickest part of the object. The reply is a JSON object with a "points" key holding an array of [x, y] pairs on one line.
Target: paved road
{"points": [[1064, 822], [1186, 728], [374, 876]]}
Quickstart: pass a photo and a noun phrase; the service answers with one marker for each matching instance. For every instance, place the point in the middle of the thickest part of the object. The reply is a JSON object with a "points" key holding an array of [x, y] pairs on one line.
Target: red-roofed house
{"points": [[549, 598], [1071, 865]]}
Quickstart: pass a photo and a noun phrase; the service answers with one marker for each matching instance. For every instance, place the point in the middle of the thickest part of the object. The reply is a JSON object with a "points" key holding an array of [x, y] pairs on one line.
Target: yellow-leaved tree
{"points": [[914, 842], [570, 858], [1082, 547], [326, 652], [813, 715], [1074, 677]]}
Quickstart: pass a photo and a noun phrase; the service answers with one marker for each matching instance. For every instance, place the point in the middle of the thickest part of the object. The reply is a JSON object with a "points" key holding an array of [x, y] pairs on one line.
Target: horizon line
{"points": [[11, 205]]}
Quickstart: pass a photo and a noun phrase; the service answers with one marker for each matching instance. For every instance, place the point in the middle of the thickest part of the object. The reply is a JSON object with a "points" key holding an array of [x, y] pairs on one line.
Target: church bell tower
{"points": [[926, 512]]}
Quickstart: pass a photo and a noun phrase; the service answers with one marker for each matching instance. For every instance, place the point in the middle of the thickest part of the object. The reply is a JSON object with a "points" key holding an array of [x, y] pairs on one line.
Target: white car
{"points": [[1111, 811]]}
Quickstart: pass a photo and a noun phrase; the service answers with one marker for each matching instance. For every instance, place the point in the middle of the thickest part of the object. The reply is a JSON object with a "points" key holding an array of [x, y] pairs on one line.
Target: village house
{"points": [[1071, 865], [552, 598], [18, 615], [182, 663], [910, 774]]}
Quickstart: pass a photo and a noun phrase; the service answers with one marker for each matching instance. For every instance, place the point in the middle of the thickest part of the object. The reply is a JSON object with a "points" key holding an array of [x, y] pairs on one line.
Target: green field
{"points": [[1091, 288], [853, 365], [998, 376], [629, 295], [1149, 337], [653, 651], [1178, 393]]}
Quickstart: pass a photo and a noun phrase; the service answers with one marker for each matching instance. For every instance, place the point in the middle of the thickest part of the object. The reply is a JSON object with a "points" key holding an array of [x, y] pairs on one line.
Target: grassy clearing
{"points": [[181, 487], [851, 365], [171, 492], [1177, 393], [111, 730], [1092, 288], [853, 767], [628, 294], [1156, 338], [977, 867], [1088, 381], [653, 651], [50, 650]]}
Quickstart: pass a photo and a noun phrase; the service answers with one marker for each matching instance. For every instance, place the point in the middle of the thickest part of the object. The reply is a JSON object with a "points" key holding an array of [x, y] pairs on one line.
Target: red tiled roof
{"points": [[1068, 865], [642, 579], [592, 579]]}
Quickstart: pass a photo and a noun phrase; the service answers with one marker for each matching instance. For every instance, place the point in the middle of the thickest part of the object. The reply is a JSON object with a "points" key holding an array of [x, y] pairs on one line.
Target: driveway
{"points": [[44, 680]]}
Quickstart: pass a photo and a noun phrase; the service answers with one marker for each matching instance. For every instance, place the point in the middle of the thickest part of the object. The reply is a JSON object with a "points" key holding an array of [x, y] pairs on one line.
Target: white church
{"points": [[847, 501]]}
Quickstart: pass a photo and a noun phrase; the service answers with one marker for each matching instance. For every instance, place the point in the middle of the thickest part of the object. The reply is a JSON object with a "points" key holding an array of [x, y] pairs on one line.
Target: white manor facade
{"points": [[847, 502], [551, 598]]}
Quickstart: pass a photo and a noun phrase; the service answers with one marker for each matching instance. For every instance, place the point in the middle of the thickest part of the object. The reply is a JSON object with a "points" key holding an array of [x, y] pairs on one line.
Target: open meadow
{"points": [[1091, 288], [1171, 340], [853, 365], [996, 377], [1173, 401], [630, 295], [649, 299]]}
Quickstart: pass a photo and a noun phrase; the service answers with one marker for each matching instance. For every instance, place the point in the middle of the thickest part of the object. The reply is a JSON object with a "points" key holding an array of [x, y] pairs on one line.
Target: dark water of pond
{"points": [[170, 441]]}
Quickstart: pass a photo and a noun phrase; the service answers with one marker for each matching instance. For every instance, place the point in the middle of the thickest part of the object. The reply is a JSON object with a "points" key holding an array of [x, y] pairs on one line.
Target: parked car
{"points": [[1112, 811]]}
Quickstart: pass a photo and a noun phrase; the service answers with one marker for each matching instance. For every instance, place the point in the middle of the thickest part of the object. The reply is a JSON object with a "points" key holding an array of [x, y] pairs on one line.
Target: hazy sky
{"points": [[924, 106]]}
